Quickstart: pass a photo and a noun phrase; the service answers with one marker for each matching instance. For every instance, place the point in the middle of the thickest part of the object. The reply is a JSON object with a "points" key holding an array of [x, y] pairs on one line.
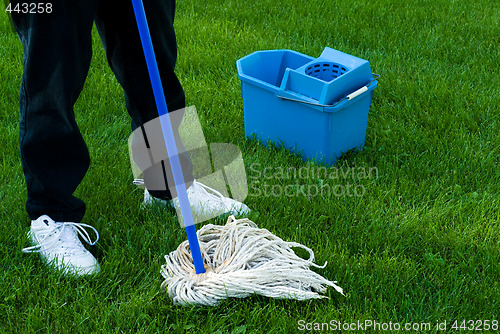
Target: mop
{"points": [[242, 260], [235, 260]]}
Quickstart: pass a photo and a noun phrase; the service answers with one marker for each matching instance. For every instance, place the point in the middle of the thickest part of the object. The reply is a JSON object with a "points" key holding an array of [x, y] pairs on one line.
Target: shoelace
{"points": [[78, 227], [215, 195], [211, 193], [196, 187]]}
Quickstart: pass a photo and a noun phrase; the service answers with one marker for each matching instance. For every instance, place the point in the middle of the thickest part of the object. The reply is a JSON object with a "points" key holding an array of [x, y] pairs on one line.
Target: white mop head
{"points": [[240, 260]]}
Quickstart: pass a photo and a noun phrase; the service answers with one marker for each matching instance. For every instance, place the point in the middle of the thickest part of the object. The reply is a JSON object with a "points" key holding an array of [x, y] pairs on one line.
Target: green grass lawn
{"points": [[420, 246]]}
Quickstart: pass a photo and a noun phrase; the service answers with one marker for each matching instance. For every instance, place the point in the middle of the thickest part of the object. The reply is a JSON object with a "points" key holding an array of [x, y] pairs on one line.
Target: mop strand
{"points": [[240, 260]]}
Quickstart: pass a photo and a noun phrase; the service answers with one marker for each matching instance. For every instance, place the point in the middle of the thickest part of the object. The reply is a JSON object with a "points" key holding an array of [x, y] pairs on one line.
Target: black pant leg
{"points": [[117, 27], [57, 54]]}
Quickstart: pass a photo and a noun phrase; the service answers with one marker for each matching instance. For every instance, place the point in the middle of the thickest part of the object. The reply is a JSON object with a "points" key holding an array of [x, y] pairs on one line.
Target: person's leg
{"points": [[115, 22], [117, 27], [57, 54]]}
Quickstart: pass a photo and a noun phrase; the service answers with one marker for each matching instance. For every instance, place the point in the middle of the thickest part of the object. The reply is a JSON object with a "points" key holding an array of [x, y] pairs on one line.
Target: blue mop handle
{"points": [[168, 135]]}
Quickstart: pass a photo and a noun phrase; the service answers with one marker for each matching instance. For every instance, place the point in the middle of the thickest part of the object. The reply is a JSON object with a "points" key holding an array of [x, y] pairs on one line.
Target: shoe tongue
{"points": [[70, 237]]}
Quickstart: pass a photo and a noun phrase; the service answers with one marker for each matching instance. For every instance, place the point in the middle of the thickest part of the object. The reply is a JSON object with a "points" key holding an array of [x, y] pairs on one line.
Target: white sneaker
{"points": [[205, 202], [59, 245]]}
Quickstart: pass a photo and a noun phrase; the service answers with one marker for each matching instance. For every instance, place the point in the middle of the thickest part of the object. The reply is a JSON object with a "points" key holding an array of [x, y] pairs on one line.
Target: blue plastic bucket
{"points": [[317, 107]]}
